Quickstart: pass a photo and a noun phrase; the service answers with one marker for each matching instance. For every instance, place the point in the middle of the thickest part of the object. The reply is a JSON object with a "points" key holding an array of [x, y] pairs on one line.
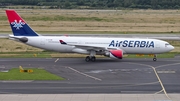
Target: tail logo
{"points": [[17, 25]]}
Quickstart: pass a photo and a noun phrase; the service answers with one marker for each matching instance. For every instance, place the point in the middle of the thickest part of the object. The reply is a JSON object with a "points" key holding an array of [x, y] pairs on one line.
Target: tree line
{"points": [[97, 4]]}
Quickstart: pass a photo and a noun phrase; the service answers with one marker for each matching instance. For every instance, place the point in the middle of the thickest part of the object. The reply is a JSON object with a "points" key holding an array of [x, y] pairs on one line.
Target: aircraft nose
{"points": [[171, 47]]}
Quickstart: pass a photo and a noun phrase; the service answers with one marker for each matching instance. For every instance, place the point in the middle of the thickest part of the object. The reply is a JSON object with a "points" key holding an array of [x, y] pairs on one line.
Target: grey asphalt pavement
{"points": [[127, 76]]}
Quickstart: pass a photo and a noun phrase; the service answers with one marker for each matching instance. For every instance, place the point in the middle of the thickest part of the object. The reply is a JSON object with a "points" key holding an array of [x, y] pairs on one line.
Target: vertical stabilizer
{"points": [[18, 25]]}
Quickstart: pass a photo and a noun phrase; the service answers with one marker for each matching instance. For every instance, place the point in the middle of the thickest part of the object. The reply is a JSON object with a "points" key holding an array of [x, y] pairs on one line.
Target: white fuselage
{"points": [[128, 45]]}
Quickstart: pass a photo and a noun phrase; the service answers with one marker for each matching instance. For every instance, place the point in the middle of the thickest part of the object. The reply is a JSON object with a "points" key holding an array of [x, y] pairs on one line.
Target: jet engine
{"points": [[115, 54]]}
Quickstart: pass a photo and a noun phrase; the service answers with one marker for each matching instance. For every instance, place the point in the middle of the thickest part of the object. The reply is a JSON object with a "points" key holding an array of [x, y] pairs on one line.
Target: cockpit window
{"points": [[167, 44]]}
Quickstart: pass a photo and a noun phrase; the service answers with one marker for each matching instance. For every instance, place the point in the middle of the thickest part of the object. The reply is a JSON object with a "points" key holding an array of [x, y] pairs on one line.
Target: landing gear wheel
{"points": [[154, 59], [87, 59], [93, 58]]}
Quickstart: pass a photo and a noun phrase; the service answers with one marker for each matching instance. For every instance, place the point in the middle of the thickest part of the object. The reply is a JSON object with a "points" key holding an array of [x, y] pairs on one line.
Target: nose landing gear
{"points": [[155, 59]]}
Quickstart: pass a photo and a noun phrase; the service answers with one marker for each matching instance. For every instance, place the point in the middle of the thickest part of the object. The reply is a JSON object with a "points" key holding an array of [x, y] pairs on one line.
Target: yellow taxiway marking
{"points": [[84, 74], [156, 76], [170, 72], [141, 84], [168, 65], [159, 91], [56, 60]]}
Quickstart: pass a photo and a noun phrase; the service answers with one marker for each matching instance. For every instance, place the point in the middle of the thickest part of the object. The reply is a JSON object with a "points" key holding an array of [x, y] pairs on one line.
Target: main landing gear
{"points": [[90, 58], [155, 59]]}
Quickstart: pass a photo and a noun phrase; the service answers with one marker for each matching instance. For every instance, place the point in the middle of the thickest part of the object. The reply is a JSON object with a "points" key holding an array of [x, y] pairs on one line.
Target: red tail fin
{"points": [[12, 16], [18, 25]]}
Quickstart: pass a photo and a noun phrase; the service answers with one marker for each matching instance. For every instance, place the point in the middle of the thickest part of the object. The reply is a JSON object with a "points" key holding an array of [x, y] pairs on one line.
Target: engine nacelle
{"points": [[115, 54]]}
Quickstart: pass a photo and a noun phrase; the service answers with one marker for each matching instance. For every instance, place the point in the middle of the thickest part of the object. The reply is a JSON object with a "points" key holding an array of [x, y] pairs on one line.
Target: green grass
{"points": [[25, 54], [93, 32], [99, 32], [95, 22], [59, 18], [38, 74], [46, 54], [164, 55], [3, 18]]}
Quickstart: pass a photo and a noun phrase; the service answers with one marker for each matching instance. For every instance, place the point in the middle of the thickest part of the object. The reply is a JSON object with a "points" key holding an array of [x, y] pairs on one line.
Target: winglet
{"points": [[62, 42], [18, 25]]}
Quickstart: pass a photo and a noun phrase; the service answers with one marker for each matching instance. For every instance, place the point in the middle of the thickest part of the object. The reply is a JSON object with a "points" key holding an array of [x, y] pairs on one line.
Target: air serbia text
{"points": [[131, 43]]}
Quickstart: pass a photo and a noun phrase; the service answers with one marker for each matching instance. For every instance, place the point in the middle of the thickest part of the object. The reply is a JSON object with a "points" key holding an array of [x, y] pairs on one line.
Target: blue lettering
{"points": [[151, 44], [120, 43], [130, 44], [147, 44], [136, 44], [125, 43], [112, 43], [117, 43], [143, 44]]}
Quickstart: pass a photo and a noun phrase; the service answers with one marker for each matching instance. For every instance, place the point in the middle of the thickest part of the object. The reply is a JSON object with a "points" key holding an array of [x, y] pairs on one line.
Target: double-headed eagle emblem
{"points": [[17, 25]]}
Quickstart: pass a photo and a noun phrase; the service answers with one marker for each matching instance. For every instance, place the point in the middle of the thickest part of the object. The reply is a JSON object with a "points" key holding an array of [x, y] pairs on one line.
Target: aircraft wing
{"points": [[88, 47]]}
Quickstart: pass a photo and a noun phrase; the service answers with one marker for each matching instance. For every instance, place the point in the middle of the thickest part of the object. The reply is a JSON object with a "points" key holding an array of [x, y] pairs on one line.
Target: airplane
{"points": [[111, 47]]}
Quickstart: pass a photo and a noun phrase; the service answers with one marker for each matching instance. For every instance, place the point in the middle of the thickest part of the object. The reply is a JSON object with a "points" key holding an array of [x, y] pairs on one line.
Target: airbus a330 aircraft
{"points": [[110, 47]]}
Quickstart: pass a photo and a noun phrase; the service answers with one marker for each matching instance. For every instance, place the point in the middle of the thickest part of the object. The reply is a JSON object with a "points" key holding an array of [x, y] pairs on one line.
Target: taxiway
{"points": [[103, 76]]}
